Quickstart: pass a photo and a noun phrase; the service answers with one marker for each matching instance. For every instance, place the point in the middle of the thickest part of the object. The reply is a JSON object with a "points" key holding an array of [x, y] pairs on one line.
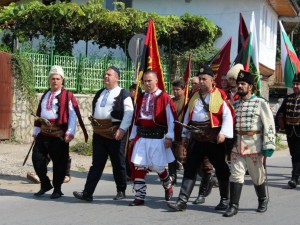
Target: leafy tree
{"points": [[67, 23]]}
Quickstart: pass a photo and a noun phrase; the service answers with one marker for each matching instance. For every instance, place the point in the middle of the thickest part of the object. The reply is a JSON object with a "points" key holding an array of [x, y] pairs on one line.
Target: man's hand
{"points": [[220, 138], [119, 134], [168, 142], [68, 138]]}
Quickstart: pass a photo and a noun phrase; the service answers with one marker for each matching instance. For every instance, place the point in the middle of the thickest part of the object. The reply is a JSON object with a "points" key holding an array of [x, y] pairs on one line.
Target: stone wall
{"points": [[22, 120]]}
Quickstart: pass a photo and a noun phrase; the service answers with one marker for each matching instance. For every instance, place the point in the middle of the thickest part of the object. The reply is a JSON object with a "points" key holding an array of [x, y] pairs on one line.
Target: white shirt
{"points": [[201, 115], [104, 112], [52, 114]]}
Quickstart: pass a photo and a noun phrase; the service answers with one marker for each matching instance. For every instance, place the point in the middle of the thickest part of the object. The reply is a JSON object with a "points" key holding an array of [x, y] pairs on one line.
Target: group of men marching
{"points": [[212, 122]]}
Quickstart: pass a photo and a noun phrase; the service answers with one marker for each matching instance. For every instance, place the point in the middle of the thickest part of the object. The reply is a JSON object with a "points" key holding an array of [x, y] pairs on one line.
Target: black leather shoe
{"points": [[262, 205], [231, 211], [292, 183], [120, 195], [178, 206], [56, 195], [43, 191], [137, 202], [199, 200], [223, 205], [83, 196]]}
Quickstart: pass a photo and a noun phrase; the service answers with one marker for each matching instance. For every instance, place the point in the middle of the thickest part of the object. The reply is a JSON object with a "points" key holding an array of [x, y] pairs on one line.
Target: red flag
{"points": [[243, 33], [221, 62], [150, 57], [187, 74], [243, 36]]}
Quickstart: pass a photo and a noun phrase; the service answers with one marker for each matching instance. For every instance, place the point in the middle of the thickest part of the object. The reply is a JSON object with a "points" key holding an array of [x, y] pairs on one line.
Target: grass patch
{"points": [[81, 169], [278, 142], [82, 148]]}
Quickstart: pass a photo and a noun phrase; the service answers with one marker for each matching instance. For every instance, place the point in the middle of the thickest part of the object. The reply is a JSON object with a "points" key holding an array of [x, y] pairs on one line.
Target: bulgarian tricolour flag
{"points": [[289, 60], [250, 56]]}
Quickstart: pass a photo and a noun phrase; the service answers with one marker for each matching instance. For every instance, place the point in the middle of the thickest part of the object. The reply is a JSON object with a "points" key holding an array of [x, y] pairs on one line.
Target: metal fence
{"points": [[85, 75]]}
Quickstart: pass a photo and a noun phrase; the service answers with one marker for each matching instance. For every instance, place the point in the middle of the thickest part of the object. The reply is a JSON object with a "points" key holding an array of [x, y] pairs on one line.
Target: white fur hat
{"points": [[56, 70], [234, 71]]}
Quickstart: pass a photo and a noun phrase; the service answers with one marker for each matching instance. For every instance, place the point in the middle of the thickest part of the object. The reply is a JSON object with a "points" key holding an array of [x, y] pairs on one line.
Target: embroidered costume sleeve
{"points": [[268, 126], [72, 120], [255, 126], [170, 119], [288, 115], [185, 133], [227, 122]]}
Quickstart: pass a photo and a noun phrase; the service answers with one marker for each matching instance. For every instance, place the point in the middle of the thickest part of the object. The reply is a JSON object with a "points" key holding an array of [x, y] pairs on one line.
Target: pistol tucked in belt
{"points": [[204, 132], [292, 121], [52, 130], [151, 132], [106, 128], [248, 133]]}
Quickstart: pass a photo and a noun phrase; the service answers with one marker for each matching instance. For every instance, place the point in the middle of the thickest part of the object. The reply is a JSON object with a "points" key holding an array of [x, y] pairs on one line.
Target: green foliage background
{"points": [[66, 23]]}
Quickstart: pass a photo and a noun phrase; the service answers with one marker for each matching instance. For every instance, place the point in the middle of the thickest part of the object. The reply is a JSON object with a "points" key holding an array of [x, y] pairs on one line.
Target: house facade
{"points": [[225, 14]]}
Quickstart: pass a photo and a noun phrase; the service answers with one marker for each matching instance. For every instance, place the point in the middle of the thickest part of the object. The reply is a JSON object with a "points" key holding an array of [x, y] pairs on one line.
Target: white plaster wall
{"points": [[224, 13]]}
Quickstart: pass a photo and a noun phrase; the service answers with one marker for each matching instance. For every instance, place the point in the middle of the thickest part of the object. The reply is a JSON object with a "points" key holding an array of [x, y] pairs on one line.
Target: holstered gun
{"points": [[41, 119], [93, 120]]}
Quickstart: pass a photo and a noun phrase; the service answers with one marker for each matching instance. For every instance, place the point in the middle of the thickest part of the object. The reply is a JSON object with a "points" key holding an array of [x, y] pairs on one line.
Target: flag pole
{"points": [[137, 76], [137, 51], [186, 93], [187, 80]]}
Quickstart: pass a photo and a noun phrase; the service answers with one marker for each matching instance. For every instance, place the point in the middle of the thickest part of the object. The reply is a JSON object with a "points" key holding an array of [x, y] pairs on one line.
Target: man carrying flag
{"points": [[151, 138], [153, 125]]}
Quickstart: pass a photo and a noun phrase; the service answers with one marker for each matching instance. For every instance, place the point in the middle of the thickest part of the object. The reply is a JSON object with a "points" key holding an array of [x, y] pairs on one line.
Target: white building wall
{"points": [[225, 14], [268, 36]]}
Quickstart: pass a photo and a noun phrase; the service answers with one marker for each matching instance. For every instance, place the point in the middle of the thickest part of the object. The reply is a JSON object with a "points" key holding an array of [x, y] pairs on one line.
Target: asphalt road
{"points": [[19, 207]]}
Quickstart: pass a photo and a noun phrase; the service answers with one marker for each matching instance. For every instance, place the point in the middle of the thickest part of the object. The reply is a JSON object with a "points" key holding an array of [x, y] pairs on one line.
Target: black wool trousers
{"points": [[58, 150], [216, 155], [294, 147], [102, 149]]}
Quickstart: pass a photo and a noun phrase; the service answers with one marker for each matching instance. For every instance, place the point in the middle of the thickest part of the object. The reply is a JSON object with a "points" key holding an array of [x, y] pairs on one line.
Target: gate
{"points": [[6, 96]]}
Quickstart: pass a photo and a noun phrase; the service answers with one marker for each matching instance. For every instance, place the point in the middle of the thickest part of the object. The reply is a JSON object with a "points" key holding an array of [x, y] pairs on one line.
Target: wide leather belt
{"points": [[151, 132], [248, 133], [293, 121], [204, 132], [53, 131], [106, 128]]}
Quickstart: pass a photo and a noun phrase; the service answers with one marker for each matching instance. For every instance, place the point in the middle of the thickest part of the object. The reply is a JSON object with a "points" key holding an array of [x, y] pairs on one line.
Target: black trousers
{"points": [[58, 150], [102, 149], [294, 147], [216, 155]]}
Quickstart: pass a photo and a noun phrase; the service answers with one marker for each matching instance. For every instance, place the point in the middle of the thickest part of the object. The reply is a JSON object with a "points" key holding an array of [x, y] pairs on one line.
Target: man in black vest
{"points": [[288, 119], [53, 130], [112, 114]]}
